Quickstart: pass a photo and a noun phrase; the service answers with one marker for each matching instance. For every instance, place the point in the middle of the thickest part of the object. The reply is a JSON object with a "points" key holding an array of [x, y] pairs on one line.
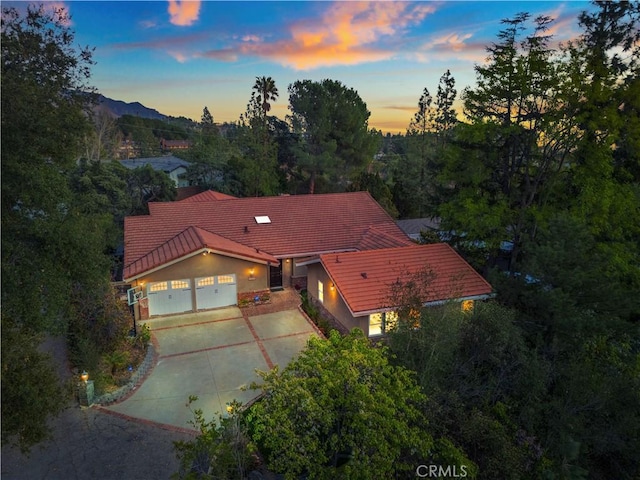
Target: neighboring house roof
{"points": [[208, 196], [166, 164], [192, 240], [376, 237], [413, 226], [175, 144], [186, 192], [298, 225], [364, 278]]}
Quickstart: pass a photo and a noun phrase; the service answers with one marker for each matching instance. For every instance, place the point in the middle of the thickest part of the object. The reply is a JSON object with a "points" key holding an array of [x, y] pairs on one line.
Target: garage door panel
{"points": [[168, 297], [216, 291]]}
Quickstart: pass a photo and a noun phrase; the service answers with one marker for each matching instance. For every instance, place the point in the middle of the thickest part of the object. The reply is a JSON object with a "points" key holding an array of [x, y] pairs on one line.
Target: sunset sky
{"points": [[178, 57]]}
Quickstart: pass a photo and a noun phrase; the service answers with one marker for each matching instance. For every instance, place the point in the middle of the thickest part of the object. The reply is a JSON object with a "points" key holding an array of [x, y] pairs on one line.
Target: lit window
{"points": [[179, 284], [382, 322], [158, 286], [263, 219], [375, 324], [226, 279], [390, 321], [320, 291], [467, 306], [203, 282]]}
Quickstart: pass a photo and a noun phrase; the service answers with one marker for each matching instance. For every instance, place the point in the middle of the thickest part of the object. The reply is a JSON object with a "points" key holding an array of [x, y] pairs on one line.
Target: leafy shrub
{"points": [[223, 448], [117, 360]]}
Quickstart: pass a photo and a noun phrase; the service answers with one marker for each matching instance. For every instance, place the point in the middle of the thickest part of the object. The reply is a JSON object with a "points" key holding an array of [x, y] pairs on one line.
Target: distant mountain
{"points": [[118, 108]]}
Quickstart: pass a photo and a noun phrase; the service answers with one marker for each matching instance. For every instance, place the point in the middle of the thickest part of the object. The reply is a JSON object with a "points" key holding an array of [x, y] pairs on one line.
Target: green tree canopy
{"points": [[256, 167], [50, 249], [341, 411], [332, 123]]}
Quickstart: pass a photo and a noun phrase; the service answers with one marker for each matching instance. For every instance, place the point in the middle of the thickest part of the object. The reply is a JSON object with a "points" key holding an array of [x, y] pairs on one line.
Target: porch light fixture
{"points": [[84, 376], [251, 274], [332, 287], [467, 306]]}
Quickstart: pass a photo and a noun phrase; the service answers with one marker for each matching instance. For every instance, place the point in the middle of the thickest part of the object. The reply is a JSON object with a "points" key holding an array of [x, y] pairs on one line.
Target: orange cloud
{"points": [[453, 41], [452, 46], [184, 12], [344, 35]]}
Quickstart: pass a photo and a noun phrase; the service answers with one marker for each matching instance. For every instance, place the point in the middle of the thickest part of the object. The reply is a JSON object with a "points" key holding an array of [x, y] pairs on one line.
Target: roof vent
{"points": [[246, 229], [364, 274], [262, 219], [337, 259]]}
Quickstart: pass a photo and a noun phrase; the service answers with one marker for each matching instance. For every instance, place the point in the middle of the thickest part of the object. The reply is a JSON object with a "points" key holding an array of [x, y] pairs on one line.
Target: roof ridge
{"points": [[166, 243], [380, 232], [200, 229]]}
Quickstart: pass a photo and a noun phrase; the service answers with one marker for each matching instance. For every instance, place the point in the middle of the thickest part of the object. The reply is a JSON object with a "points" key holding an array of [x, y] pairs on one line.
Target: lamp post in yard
{"points": [[85, 390]]}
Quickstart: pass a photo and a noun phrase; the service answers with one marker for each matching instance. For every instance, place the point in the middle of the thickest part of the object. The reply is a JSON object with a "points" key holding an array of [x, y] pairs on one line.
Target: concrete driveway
{"points": [[213, 355]]}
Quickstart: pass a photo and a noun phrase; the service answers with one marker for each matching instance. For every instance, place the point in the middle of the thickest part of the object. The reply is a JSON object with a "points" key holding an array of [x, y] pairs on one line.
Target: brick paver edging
{"points": [[136, 379]]}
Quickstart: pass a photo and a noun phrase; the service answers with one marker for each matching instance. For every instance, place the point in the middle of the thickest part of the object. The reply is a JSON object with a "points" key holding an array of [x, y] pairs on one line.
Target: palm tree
{"points": [[267, 91]]}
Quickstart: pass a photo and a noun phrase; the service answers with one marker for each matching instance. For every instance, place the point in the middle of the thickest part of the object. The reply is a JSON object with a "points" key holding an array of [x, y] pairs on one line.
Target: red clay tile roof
{"points": [[191, 240], [301, 225], [207, 196], [375, 237], [454, 278], [186, 192]]}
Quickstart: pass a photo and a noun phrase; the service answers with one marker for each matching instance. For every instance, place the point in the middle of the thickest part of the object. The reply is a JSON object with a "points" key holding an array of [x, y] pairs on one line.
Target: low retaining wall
{"points": [[136, 379]]}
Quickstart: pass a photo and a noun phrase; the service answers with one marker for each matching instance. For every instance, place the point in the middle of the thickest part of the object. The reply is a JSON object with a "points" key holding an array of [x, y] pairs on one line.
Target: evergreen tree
{"points": [[331, 122], [50, 249]]}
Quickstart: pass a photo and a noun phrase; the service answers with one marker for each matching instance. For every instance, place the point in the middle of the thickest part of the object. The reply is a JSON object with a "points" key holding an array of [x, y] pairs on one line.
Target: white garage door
{"points": [[172, 296], [216, 291]]}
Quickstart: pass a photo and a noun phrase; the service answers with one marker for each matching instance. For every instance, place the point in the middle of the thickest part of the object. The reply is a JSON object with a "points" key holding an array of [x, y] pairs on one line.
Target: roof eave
{"points": [[193, 254], [434, 303]]}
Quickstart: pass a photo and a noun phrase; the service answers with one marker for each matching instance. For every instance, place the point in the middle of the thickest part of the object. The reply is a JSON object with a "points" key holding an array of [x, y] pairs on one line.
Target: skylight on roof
{"points": [[263, 219]]}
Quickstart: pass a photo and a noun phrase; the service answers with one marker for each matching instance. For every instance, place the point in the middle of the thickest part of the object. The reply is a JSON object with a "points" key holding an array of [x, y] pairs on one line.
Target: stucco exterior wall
{"points": [[211, 264], [333, 302]]}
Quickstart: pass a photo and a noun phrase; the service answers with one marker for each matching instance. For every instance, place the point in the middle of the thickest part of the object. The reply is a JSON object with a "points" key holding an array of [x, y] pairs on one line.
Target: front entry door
{"points": [[275, 276]]}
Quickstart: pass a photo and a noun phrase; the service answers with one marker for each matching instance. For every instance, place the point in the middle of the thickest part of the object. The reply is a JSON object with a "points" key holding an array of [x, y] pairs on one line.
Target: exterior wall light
{"points": [[84, 376], [251, 274]]}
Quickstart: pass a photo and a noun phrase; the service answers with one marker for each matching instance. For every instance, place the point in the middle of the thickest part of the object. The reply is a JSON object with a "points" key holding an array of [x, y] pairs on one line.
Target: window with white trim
{"points": [[158, 286], [320, 292], [375, 324], [390, 320], [382, 322], [204, 282]]}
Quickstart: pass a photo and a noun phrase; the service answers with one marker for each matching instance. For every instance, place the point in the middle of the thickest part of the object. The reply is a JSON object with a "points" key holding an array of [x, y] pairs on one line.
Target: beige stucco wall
{"points": [[333, 302], [211, 264]]}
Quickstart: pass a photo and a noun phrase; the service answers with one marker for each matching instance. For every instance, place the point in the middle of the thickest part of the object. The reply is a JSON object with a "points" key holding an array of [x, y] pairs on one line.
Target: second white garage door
{"points": [[216, 291]]}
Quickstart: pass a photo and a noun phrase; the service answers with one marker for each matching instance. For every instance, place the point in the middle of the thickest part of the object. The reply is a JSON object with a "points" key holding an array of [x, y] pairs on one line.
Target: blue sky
{"points": [[179, 56]]}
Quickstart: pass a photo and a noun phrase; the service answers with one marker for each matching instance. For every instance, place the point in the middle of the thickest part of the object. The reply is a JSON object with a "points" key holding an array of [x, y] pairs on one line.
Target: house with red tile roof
{"points": [[212, 250], [207, 196], [361, 288]]}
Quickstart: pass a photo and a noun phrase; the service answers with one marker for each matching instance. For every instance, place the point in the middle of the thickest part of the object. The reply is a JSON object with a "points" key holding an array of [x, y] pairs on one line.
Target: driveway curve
{"points": [[213, 355]]}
